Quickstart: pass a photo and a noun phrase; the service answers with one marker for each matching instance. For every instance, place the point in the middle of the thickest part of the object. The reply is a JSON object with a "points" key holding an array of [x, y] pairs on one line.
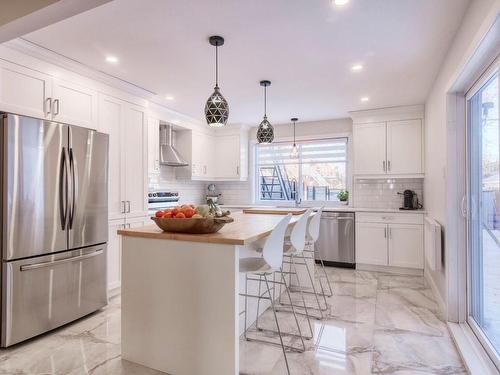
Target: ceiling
{"points": [[305, 47]]}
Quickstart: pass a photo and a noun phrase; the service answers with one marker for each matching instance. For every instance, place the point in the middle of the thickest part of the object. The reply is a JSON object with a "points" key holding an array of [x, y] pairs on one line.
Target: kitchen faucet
{"points": [[295, 193]]}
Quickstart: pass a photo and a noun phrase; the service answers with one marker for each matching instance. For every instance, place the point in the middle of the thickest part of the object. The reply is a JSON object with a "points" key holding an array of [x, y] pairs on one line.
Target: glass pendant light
{"points": [[265, 132], [216, 109], [295, 150]]}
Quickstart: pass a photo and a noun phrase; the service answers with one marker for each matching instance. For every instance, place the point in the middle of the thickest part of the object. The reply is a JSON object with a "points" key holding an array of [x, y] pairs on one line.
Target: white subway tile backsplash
{"points": [[383, 193]]}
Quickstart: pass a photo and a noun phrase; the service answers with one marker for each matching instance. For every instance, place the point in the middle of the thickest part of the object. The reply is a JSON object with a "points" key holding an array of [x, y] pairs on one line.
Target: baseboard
{"points": [[114, 290], [439, 299], [473, 354], [389, 269]]}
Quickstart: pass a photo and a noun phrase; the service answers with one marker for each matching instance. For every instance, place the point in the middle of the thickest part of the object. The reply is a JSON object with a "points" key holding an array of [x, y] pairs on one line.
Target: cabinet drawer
{"points": [[389, 217]]}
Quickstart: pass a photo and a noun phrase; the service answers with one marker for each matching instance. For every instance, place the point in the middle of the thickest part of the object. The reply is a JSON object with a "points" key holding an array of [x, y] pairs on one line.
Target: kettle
{"points": [[410, 200]]}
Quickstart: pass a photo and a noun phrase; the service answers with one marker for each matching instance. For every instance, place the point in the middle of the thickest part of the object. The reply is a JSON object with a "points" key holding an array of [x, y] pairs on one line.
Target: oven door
{"points": [[46, 292]]}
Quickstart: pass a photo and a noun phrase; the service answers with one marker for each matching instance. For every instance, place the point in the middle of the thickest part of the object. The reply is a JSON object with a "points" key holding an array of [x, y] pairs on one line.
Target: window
{"points": [[318, 174], [484, 217]]}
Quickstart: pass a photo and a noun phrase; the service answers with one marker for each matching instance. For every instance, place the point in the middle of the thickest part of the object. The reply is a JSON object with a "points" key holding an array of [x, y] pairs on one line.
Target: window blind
{"points": [[319, 151]]}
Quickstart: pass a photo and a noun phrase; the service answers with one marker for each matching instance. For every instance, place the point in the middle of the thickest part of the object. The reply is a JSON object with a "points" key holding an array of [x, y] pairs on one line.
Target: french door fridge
{"points": [[54, 225]]}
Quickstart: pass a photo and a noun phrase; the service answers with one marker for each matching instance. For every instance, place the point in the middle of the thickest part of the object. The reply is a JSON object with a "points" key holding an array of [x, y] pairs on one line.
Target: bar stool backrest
{"points": [[273, 248], [298, 235], [313, 227]]}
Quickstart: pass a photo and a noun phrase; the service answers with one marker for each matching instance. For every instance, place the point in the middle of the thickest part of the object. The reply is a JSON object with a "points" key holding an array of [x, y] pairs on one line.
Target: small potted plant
{"points": [[343, 196]]}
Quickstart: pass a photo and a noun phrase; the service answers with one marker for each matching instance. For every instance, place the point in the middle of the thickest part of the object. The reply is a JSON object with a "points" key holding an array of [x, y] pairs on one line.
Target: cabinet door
{"points": [[153, 145], [110, 122], [203, 162], [371, 243], [24, 91], [74, 104], [406, 247], [404, 147], [227, 156], [135, 160], [369, 148], [114, 254]]}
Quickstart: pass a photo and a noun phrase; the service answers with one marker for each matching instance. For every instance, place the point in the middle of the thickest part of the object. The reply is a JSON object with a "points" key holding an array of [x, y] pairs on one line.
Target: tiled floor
{"points": [[378, 324]]}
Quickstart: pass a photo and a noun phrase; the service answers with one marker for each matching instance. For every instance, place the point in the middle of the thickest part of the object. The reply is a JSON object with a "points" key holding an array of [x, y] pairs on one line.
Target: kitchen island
{"points": [[180, 303]]}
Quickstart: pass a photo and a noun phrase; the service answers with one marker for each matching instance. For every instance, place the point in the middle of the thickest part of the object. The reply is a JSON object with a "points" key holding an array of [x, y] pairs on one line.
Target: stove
{"points": [[158, 200]]}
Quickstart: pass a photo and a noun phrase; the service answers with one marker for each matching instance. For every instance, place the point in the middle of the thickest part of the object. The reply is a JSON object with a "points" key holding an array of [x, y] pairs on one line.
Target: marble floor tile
{"points": [[376, 323]]}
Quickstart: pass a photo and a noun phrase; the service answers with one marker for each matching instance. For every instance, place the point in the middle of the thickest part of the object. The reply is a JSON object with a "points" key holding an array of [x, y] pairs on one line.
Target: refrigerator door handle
{"points": [[63, 188], [74, 186], [60, 261]]}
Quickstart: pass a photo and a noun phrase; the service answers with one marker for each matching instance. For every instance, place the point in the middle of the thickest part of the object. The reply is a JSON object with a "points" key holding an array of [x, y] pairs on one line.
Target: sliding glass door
{"points": [[483, 154]]}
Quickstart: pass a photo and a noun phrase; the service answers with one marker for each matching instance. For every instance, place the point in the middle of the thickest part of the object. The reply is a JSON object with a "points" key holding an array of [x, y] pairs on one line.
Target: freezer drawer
{"points": [[45, 292]]}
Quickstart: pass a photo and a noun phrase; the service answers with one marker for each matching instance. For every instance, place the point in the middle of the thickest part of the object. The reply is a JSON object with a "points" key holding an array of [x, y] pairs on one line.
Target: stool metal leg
{"points": [[246, 305], [277, 324]]}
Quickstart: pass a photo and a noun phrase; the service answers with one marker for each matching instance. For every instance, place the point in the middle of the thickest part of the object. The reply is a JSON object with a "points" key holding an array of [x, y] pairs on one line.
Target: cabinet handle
{"points": [[389, 165], [385, 232], [122, 203], [56, 106], [48, 106], [204, 169], [390, 233], [383, 165], [237, 170], [128, 206]]}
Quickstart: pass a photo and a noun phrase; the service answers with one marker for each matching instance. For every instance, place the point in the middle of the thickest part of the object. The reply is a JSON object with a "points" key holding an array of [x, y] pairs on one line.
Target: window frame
{"points": [[485, 342], [305, 203]]}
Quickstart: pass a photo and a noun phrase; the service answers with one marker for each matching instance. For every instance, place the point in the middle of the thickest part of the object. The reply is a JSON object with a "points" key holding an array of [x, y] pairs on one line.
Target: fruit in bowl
{"points": [[192, 219]]}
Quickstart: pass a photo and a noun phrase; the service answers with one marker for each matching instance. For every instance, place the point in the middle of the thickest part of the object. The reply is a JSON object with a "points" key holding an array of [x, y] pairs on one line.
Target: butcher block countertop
{"points": [[275, 210], [244, 230]]}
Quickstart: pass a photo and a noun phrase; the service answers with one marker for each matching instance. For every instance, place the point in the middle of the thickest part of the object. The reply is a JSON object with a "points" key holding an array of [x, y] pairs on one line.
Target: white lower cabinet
{"points": [[390, 240], [115, 247], [406, 247], [371, 243]]}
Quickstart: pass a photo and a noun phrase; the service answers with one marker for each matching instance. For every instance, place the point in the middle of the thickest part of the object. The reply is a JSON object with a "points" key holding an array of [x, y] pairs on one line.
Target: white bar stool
{"points": [[263, 267], [313, 235], [294, 250]]}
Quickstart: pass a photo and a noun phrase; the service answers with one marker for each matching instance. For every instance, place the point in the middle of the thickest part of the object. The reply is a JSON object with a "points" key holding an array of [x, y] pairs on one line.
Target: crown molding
{"points": [[389, 114]]}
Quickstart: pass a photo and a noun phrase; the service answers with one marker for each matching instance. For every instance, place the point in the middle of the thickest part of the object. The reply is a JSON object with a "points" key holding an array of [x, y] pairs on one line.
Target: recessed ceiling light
{"points": [[169, 97], [357, 67], [340, 2], [365, 99], [112, 59]]}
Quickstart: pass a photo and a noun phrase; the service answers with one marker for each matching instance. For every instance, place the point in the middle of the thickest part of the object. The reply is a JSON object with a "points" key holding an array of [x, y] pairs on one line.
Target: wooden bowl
{"points": [[193, 226]]}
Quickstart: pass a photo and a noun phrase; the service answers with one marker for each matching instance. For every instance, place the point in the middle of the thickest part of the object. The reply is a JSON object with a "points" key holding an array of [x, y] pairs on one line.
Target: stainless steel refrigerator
{"points": [[54, 225]]}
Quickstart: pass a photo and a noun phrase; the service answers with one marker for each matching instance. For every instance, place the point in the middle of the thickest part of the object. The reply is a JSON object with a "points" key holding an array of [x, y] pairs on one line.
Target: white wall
{"points": [[436, 121]]}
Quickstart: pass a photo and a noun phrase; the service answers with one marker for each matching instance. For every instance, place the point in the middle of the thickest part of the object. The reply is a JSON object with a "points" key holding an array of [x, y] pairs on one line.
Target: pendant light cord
{"points": [[294, 133], [217, 65], [265, 101]]}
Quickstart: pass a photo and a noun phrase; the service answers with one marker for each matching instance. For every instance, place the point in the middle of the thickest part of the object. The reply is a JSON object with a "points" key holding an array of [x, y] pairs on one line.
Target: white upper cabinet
{"points": [[404, 147], [28, 92], [227, 154], [370, 148], [153, 145], [74, 104], [24, 91], [126, 125], [135, 157], [110, 122], [388, 142]]}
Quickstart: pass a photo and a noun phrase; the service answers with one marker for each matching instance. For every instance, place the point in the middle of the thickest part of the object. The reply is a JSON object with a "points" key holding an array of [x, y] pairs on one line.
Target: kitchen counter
{"points": [[339, 208], [181, 292], [245, 229]]}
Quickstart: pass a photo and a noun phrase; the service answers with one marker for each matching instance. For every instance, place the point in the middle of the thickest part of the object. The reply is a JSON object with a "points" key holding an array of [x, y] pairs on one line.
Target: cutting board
{"points": [[275, 211]]}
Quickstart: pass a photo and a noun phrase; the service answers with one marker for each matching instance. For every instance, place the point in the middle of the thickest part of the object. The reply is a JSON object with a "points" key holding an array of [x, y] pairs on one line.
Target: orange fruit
{"points": [[159, 213], [180, 215]]}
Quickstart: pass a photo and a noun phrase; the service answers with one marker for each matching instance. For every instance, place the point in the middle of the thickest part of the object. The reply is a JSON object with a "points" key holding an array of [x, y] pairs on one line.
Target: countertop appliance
{"points": [[54, 225], [410, 200], [158, 200], [168, 154], [335, 244]]}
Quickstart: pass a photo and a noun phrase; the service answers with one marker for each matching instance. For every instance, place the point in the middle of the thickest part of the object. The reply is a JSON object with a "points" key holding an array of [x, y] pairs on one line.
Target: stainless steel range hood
{"points": [[168, 154]]}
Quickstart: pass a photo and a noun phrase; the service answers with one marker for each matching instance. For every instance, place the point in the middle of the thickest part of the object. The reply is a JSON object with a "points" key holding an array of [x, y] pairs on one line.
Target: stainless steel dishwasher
{"points": [[336, 239]]}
